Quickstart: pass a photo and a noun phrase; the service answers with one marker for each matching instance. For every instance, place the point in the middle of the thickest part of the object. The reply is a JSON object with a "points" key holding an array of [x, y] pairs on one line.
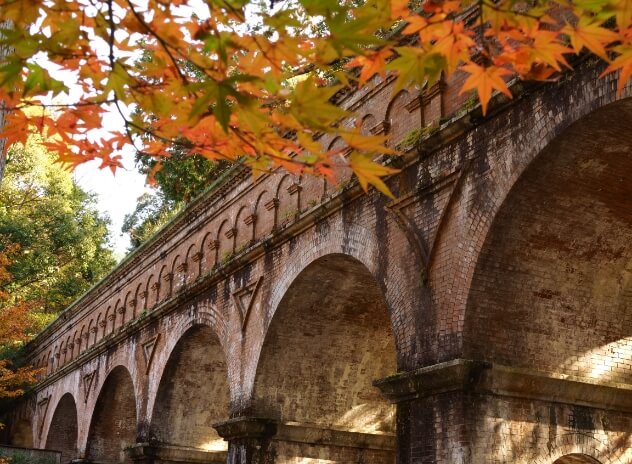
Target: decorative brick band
{"points": [[495, 379]]}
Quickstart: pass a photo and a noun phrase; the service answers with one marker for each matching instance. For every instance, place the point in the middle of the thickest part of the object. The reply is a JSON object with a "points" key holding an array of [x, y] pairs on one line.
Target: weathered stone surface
{"points": [[493, 298]]}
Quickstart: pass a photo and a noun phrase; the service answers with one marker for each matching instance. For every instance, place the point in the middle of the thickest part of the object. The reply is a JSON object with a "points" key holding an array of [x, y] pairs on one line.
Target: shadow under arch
{"points": [[193, 393], [114, 419], [329, 338], [63, 429]]}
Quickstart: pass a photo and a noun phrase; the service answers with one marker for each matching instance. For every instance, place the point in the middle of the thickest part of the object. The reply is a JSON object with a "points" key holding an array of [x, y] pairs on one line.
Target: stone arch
{"points": [[207, 317], [126, 315], [342, 171], [578, 448], [177, 276], [321, 354], [503, 160], [189, 401], [225, 242], [119, 308], [576, 458], [287, 208], [394, 116], [96, 326], [63, 428], [151, 295], [137, 306], [265, 214], [21, 433], [113, 422], [243, 230], [557, 261], [208, 253], [80, 341], [192, 266], [164, 284], [369, 121], [62, 353]]}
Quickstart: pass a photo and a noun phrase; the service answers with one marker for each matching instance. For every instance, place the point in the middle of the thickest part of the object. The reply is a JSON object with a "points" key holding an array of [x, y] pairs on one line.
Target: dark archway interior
{"points": [[552, 289], [21, 434], [62, 433], [113, 425], [576, 459], [329, 339], [193, 393]]}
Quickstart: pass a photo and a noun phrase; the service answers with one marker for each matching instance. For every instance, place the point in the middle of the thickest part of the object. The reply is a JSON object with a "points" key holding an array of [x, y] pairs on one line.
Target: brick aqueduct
{"points": [[485, 316]]}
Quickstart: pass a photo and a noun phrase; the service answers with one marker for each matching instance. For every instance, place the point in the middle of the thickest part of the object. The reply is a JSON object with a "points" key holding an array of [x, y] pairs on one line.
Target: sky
{"points": [[116, 195]]}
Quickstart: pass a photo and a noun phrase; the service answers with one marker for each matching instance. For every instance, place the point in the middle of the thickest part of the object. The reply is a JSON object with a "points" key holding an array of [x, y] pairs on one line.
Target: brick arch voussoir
{"points": [[551, 124], [209, 317], [578, 443], [356, 241]]}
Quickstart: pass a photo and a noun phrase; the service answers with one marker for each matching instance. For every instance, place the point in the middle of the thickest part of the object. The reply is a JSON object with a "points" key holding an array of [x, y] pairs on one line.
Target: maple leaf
{"points": [[588, 33], [485, 80], [622, 63], [370, 172], [373, 63]]}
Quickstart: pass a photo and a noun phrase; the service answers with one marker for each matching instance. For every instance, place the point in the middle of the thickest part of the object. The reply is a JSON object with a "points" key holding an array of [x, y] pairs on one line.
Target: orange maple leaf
{"points": [[623, 63], [372, 64], [588, 33], [485, 80]]}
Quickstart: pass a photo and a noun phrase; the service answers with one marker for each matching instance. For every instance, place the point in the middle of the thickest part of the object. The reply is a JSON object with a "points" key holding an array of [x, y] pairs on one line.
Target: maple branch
{"points": [[162, 42]]}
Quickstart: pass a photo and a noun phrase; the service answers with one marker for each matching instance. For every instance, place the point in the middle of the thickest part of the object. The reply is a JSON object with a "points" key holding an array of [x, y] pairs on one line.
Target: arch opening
{"points": [[62, 432], [557, 261], [193, 393], [552, 289], [576, 459], [113, 424], [330, 337]]}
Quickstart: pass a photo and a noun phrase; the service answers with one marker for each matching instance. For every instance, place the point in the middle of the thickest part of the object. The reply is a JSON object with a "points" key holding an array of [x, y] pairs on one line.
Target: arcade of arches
{"points": [[485, 316]]}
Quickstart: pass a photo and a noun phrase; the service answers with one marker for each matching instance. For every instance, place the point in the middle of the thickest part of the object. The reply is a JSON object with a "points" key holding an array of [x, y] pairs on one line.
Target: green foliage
{"points": [[152, 212], [182, 177], [17, 457], [63, 242], [180, 180]]}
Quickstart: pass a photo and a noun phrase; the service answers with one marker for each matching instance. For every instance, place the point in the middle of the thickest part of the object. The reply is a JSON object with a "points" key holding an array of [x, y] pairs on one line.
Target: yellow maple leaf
{"points": [[370, 172], [588, 33]]}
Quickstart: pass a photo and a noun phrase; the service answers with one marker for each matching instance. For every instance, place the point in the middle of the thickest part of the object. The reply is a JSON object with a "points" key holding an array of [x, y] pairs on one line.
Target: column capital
{"points": [[246, 427]]}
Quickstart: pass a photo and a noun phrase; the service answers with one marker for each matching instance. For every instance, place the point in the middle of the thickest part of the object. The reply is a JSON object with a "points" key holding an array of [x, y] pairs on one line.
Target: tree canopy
{"points": [[51, 231], [238, 79]]}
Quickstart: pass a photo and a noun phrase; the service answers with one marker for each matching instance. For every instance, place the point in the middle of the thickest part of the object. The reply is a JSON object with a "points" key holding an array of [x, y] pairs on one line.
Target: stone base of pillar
{"points": [[145, 453]]}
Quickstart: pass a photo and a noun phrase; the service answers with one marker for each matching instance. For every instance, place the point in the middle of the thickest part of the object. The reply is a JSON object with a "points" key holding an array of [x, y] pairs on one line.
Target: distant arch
{"points": [[63, 428], [113, 425]]}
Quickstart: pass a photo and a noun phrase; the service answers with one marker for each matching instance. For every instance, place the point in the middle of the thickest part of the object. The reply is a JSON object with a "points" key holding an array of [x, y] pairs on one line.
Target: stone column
{"points": [[469, 412], [248, 439]]}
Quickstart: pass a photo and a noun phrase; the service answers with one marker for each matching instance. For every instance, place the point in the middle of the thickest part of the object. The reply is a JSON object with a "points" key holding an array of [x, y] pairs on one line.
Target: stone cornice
{"points": [[495, 379], [261, 428]]}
